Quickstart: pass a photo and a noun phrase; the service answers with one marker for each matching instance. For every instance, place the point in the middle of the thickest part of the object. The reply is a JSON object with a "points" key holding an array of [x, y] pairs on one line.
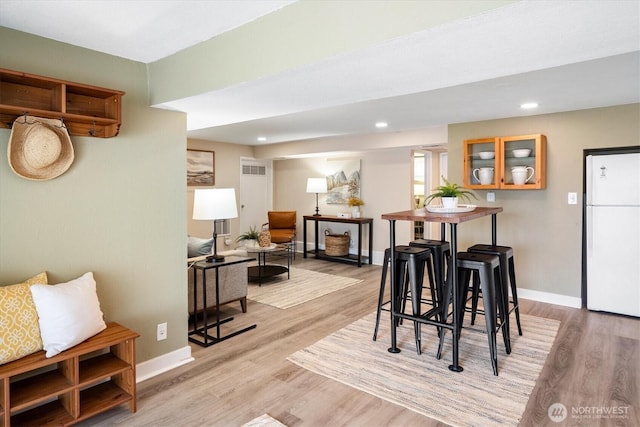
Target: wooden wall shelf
{"points": [[86, 110]]}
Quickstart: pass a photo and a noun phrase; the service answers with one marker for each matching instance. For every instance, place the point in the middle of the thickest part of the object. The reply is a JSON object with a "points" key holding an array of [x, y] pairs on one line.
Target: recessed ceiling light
{"points": [[381, 125], [529, 105], [262, 138]]}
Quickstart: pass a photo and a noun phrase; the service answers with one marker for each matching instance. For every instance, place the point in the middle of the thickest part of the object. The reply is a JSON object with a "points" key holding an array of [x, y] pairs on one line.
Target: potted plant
{"points": [[355, 203], [249, 237], [450, 193]]}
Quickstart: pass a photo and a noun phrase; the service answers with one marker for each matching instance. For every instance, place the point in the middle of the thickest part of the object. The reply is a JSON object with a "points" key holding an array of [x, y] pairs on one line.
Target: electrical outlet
{"points": [[572, 198], [161, 332], [491, 196]]}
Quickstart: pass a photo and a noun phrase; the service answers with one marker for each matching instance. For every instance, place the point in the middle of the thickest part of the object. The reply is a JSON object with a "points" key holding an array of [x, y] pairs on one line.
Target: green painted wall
{"points": [[119, 211]]}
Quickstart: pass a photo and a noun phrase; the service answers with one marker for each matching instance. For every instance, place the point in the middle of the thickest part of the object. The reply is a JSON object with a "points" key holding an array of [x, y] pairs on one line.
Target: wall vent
{"points": [[222, 227], [254, 170]]}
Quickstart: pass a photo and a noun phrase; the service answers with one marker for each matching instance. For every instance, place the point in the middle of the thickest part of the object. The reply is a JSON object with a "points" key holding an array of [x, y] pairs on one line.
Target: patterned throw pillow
{"points": [[19, 329]]}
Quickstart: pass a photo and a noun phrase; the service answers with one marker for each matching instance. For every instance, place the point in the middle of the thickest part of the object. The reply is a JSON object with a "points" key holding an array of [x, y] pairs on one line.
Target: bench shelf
{"points": [[92, 377]]}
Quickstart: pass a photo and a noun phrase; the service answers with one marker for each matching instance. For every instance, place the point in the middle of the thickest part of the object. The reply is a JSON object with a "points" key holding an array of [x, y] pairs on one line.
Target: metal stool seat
{"points": [[507, 267], [486, 270], [440, 252], [409, 273]]}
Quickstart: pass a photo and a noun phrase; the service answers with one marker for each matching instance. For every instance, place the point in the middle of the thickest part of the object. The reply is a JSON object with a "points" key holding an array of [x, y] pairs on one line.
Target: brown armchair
{"points": [[282, 227]]}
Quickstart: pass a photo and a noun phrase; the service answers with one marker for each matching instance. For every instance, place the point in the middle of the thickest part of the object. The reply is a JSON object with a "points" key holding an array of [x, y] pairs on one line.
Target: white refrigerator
{"points": [[613, 233]]}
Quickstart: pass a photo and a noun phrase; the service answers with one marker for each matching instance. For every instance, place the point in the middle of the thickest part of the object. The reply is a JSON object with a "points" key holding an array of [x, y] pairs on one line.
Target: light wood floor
{"points": [[594, 363]]}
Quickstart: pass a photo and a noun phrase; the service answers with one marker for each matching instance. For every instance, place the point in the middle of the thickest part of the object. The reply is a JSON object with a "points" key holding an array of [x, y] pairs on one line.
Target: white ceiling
{"points": [[565, 55]]}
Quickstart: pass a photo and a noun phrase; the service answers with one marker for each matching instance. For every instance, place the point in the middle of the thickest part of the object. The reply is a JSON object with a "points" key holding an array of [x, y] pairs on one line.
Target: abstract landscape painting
{"points": [[343, 181]]}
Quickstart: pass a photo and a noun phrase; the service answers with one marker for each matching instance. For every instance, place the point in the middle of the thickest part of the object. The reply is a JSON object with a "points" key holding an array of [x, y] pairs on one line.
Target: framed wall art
{"points": [[343, 181], [201, 168]]}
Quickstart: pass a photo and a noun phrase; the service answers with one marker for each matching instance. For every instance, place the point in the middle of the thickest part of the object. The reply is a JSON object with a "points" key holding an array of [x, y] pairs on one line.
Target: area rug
{"points": [[264, 421], [423, 383], [303, 286]]}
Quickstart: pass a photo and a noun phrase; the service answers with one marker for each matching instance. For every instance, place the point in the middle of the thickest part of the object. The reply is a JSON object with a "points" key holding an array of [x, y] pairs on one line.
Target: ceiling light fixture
{"points": [[529, 105], [262, 138], [381, 125]]}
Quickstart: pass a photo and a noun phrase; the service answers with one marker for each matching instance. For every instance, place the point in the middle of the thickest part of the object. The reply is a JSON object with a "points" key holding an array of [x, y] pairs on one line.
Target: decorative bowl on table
{"points": [[521, 152], [457, 209], [486, 155]]}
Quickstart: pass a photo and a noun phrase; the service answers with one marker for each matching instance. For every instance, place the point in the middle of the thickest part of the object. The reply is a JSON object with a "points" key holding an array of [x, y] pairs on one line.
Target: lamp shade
{"points": [[214, 203], [316, 185]]}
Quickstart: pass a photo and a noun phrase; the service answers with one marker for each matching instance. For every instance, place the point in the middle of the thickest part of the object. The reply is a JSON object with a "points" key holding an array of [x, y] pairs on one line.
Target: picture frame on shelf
{"points": [[200, 168]]}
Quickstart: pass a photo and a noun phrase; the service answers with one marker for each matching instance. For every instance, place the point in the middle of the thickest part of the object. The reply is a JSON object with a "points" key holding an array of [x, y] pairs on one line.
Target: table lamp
{"points": [[215, 204], [316, 185]]}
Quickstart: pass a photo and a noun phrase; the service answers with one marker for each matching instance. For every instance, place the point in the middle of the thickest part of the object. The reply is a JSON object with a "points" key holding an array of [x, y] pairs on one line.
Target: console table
{"points": [[331, 218]]}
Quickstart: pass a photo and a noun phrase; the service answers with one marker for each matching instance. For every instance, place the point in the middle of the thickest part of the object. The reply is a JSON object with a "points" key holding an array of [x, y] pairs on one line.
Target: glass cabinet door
{"points": [[481, 165], [523, 162]]}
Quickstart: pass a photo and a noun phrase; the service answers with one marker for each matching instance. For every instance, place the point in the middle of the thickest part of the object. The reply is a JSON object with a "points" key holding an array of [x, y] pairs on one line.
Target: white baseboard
{"points": [[550, 298], [164, 363]]}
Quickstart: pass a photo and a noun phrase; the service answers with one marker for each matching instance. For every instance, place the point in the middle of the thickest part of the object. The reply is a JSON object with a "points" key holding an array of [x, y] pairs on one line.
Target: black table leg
{"points": [[392, 249], [371, 243], [359, 244], [456, 296], [494, 229], [304, 238], [315, 225]]}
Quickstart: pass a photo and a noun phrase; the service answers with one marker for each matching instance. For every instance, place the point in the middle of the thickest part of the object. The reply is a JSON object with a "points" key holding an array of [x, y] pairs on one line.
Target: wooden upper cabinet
{"points": [[535, 163], [86, 110], [473, 162], [532, 164]]}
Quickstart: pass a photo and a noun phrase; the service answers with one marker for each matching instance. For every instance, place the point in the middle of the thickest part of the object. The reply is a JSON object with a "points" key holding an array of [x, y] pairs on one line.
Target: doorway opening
{"points": [[429, 166]]}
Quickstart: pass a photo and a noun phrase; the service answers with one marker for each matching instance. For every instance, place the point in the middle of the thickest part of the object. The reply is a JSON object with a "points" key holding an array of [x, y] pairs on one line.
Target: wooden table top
{"points": [[424, 215]]}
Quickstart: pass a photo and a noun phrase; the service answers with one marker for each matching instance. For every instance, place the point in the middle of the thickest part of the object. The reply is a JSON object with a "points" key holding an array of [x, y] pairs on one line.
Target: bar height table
{"points": [[453, 219]]}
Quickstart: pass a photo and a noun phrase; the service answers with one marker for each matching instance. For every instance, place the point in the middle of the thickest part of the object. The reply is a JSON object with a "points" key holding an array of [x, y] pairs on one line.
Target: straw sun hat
{"points": [[39, 149]]}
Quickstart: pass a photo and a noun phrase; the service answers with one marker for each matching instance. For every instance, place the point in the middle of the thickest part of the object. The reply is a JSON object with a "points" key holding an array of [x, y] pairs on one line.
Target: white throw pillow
{"points": [[68, 313]]}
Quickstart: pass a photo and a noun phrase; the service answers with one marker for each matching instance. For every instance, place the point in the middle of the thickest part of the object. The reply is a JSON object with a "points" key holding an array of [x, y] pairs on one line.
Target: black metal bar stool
{"points": [[486, 270], [507, 267], [410, 269], [440, 252]]}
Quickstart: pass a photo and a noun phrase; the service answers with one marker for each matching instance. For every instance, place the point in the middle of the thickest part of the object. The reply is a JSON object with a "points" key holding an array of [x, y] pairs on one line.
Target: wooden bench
{"points": [[92, 377]]}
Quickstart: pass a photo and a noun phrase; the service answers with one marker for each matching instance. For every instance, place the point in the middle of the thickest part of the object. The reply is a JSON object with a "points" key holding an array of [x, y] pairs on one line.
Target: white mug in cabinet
{"points": [[522, 174], [483, 175]]}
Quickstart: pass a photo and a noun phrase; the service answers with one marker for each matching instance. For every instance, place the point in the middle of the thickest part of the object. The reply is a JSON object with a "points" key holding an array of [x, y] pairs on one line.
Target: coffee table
{"points": [[266, 270]]}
